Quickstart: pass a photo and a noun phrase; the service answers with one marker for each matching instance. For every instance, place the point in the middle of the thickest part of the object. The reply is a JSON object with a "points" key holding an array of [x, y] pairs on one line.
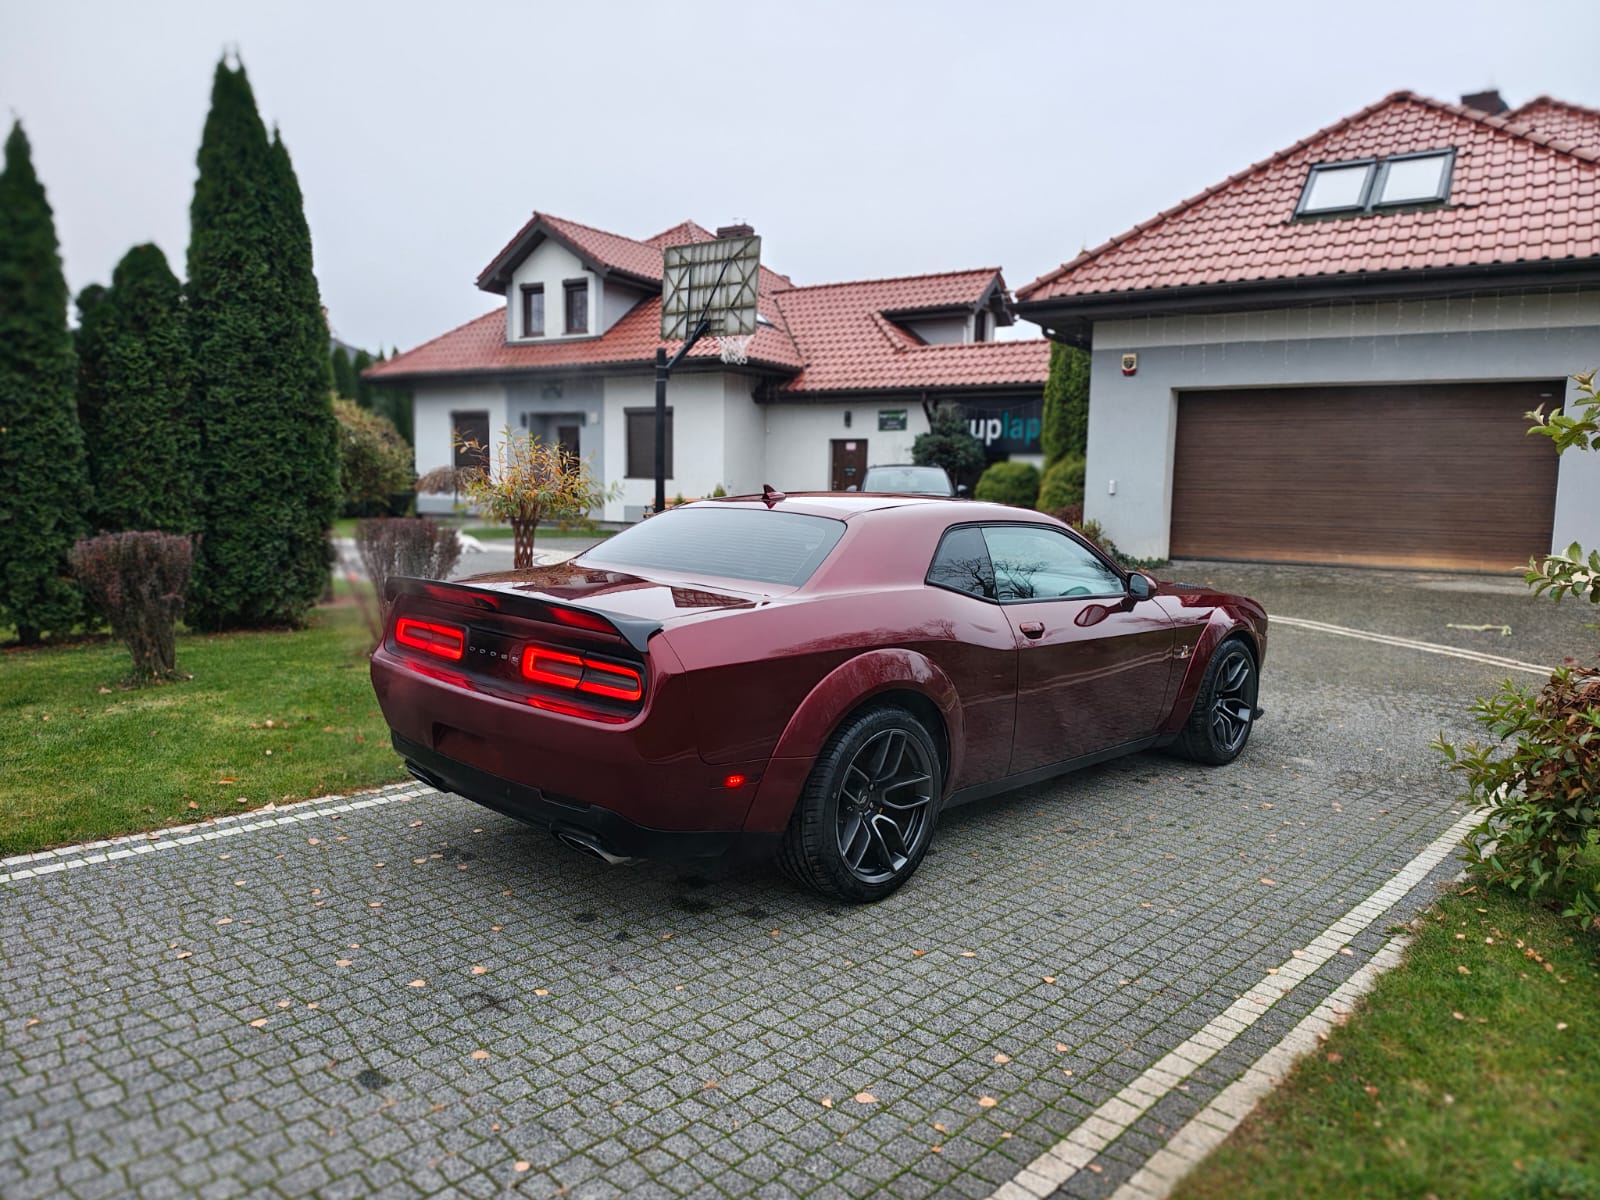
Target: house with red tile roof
{"points": [[1328, 356], [839, 376]]}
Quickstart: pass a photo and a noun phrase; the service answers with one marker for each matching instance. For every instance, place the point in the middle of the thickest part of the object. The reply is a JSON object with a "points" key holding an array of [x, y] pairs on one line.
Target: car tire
{"points": [[1224, 708], [866, 814]]}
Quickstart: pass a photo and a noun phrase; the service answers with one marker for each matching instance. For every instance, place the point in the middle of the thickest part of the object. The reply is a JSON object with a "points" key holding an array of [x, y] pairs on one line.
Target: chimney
{"points": [[1485, 102], [738, 229]]}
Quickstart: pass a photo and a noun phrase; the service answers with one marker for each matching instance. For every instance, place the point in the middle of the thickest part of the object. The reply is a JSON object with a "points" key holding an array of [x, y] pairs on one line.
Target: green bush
{"points": [[1065, 432], [949, 444], [1536, 782], [375, 464], [1009, 483], [1062, 485]]}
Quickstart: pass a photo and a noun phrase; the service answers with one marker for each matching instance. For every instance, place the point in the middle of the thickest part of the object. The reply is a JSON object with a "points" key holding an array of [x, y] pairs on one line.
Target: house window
{"points": [[533, 310], [471, 427], [642, 442], [1373, 183], [577, 291]]}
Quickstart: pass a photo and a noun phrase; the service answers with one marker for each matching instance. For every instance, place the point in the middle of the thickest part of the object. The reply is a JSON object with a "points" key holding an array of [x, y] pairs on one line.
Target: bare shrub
{"points": [[139, 580], [392, 547]]}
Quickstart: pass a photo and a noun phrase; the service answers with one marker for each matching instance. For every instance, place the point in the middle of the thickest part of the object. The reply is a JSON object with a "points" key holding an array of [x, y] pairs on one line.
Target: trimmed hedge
{"points": [[1009, 483]]}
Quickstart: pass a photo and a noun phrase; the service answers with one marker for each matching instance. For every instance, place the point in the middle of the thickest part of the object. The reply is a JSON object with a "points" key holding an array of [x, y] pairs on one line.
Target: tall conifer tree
{"points": [[269, 455], [139, 430], [42, 491]]}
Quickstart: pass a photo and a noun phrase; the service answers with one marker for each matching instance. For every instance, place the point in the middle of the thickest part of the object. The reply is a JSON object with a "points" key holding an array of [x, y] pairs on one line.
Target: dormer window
{"points": [[577, 293], [532, 310], [1364, 185]]}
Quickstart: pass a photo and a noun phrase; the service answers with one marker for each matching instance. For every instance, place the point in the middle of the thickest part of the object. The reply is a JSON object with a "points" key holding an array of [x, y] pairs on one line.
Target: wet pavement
{"points": [[411, 996]]}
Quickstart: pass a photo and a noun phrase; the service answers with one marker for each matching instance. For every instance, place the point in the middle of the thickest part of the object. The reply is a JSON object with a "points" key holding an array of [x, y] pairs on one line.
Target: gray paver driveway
{"points": [[421, 998]]}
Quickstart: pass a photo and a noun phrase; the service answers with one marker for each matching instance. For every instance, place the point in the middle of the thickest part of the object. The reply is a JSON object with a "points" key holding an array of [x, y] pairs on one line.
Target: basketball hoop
{"points": [[735, 347]]}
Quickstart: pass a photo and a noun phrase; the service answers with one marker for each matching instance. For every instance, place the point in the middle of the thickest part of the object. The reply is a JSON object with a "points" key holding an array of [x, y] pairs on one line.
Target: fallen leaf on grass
{"points": [[193, 804], [1335, 1057], [1459, 1016], [865, 1098], [1465, 970], [1561, 1024], [987, 1102]]}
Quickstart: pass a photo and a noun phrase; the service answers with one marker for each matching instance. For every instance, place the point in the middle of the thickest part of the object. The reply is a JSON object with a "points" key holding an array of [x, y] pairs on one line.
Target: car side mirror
{"points": [[1141, 586]]}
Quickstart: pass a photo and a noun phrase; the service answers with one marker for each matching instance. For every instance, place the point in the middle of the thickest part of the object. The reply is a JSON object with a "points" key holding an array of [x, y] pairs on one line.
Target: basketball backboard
{"points": [[717, 280]]}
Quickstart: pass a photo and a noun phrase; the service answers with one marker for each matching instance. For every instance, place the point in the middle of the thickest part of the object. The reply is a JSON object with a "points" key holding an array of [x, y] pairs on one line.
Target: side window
{"points": [[962, 564], [1035, 563]]}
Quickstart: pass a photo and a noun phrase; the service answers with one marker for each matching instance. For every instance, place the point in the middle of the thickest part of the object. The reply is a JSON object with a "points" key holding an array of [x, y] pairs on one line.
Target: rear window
{"points": [[732, 543], [929, 481]]}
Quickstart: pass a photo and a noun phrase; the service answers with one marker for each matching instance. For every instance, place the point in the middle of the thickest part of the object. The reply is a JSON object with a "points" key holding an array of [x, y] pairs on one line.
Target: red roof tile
{"points": [[849, 345], [1516, 195], [1560, 122], [831, 337]]}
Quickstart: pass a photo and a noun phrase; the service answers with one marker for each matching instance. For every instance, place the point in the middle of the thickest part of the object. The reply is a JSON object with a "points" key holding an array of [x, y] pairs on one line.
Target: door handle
{"points": [[1031, 629]]}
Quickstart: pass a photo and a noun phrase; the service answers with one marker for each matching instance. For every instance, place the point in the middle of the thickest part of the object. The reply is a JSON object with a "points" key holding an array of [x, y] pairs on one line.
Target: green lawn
{"points": [[1473, 1070], [267, 717]]}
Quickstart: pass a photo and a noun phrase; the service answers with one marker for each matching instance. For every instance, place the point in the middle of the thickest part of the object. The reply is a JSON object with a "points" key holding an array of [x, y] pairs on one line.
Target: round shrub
{"points": [[1009, 483], [1062, 485]]}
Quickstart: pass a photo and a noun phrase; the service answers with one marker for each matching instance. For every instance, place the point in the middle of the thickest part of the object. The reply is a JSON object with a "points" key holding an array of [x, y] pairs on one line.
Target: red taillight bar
{"points": [[446, 641], [558, 668]]}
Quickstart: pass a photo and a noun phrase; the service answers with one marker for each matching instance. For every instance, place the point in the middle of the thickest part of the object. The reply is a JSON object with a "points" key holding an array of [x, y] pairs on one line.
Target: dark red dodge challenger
{"points": [[822, 672]]}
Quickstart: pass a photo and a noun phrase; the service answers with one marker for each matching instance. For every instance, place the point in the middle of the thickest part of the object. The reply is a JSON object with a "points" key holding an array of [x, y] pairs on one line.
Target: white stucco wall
{"points": [[1133, 419], [800, 439], [744, 437], [551, 264], [433, 403], [697, 402]]}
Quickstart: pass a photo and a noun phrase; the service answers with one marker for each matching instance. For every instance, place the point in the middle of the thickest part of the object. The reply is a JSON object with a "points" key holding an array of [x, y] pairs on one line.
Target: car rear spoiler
{"points": [[532, 606]]}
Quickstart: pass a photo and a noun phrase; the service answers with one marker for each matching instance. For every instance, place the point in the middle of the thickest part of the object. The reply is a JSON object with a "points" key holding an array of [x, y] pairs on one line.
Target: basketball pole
{"points": [[663, 369]]}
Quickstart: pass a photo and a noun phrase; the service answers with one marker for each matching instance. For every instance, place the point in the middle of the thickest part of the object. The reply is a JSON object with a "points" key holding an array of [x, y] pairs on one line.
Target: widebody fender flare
{"points": [[846, 688], [1218, 629]]}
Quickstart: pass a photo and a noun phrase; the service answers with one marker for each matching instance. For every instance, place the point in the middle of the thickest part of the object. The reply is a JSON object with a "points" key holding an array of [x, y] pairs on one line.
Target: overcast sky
{"points": [[861, 139]]}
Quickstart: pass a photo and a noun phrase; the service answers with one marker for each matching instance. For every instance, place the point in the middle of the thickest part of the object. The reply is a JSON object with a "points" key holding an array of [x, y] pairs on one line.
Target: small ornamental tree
{"points": [[344, 375], [1064, 431], [138, 580], [530, 481], [42, 491], [1536, 780], [375, 463], [949, 444]]}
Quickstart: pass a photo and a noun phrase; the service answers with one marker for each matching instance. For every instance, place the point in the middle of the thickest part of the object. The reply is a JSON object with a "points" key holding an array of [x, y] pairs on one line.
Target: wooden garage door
{"points": [[1434, 476]]}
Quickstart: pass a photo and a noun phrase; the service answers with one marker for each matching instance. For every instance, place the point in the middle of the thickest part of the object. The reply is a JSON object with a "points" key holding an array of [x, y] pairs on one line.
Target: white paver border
{"points": [[1050, 1170], [88, 854]]}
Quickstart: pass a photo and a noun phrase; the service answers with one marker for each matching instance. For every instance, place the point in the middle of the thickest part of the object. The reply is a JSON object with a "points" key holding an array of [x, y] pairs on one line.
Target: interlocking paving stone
{"points": [[611, 999]]}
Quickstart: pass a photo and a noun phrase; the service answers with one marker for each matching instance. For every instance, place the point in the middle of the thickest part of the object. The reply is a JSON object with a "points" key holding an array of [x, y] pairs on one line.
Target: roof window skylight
{"points": [[1362, 185]]}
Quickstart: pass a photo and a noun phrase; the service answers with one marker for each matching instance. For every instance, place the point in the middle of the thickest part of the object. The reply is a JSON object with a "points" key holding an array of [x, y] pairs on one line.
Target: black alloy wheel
{"points": [[866, 814], [1224, 708]]}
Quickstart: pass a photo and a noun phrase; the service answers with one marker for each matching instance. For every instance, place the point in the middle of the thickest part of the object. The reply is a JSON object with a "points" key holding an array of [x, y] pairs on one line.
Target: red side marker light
{"points": [[446, 641], [734, 781]]}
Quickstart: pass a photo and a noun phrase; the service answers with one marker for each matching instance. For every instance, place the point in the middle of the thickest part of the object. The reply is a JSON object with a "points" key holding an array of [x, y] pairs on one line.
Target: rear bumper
{"points": [[607, 830]]}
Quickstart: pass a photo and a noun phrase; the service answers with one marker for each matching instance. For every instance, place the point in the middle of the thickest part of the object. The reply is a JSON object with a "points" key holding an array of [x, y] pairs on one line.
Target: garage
{"points": [[1436, 476]]}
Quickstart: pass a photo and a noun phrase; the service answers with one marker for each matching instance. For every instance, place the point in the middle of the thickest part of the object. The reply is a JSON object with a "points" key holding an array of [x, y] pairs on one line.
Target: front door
{"points": [[567, 437], [1092, 665], [849, 464]]}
